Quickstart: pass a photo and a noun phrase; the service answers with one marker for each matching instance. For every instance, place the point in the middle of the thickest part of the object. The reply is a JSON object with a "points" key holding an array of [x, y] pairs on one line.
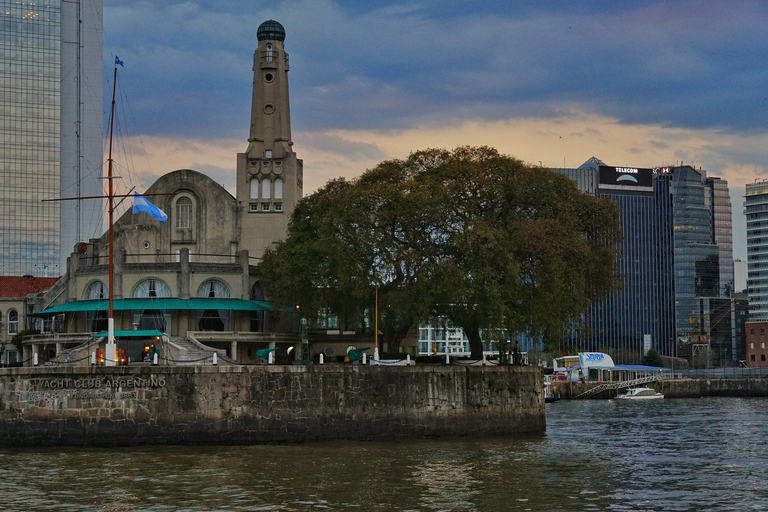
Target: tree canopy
{"points": [[478, 237]]}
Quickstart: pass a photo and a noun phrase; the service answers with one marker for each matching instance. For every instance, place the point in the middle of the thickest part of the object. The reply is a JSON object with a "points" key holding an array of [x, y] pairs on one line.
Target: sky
{"points": [[635, 83]]}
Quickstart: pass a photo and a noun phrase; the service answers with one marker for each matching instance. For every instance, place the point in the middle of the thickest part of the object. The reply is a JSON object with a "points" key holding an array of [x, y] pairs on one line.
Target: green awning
{"points": [[231, 304], [131, 334], [149, 303], [160, 303]]}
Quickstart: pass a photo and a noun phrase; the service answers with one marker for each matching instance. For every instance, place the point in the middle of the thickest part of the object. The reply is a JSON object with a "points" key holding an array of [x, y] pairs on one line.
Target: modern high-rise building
{"points": [[676, 223], [756, 211], [722, 230], [50, 131]]}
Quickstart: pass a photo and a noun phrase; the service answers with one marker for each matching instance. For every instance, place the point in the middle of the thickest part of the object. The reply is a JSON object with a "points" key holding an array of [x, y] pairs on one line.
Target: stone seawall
{"points": [[264, 404], [677, 388]]}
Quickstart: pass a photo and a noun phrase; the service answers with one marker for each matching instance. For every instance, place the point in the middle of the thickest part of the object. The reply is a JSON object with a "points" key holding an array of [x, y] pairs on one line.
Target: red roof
{"points": [[20, 286]]}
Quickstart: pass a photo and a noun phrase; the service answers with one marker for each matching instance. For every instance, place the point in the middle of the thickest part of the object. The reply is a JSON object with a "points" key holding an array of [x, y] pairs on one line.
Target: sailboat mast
{"points": [[110, 358]]}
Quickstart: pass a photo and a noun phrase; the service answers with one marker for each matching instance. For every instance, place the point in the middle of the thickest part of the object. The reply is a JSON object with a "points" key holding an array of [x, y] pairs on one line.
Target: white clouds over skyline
{"points": [[634, 83]]}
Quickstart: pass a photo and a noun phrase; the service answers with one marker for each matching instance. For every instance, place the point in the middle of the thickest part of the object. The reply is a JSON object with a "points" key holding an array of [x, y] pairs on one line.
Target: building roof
{"points": [[12, 287], [270, 30], [592, 162]]}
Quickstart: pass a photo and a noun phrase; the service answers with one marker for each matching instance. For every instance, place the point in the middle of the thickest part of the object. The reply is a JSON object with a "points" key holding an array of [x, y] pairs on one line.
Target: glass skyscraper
{"points": [[50, 131], [669, 258]]}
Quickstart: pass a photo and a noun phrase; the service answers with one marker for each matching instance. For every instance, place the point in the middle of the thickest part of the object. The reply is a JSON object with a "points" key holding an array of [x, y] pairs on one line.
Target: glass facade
{"points": [[38, 158], [697, 265], [756, 211], [669, 258], [722, 229], [30, 78]]}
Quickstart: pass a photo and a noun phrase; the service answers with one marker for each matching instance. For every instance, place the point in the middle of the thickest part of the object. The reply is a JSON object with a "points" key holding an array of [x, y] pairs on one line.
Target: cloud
{"points": [[396, 65]]}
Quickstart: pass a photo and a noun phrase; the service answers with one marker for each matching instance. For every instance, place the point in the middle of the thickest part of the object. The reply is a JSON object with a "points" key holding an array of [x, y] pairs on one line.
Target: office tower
{"points": [[671, 218], [756, 211], [722, 230], [644, 308], [50, 131]]}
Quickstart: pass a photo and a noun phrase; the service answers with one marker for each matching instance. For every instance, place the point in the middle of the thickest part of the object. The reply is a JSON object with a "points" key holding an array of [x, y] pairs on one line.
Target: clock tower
{"points": [[269, 176]]}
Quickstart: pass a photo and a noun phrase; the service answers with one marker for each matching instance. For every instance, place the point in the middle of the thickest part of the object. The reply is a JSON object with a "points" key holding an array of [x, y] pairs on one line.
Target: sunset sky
{"points": [[635, 83]]}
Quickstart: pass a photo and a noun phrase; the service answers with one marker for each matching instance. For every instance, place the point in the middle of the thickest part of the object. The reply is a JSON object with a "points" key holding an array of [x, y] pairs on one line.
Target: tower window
{"points": [[269, 77], [278, 207], [278, 188], [267, 153], [266, 189], [270, 53], [265, 207], [254, 189]]}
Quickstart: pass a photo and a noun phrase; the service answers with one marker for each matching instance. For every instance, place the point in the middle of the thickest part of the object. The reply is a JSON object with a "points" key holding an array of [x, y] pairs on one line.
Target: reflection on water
{"points": [[681, 455]]}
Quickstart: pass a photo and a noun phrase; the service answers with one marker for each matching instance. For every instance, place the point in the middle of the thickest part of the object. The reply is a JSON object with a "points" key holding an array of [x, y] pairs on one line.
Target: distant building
{"points": [[676, 224], [756, 211], [757, 344], [740, 275], [19, 295], [722, 230], [51, 131]]}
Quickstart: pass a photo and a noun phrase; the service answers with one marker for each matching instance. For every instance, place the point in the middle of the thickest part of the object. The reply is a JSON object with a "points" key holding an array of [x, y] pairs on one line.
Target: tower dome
{"points": [[270, 30]]}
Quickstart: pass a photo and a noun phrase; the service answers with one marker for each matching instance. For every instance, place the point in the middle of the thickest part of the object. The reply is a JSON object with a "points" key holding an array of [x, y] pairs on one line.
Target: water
{"points": [[678, 455]]}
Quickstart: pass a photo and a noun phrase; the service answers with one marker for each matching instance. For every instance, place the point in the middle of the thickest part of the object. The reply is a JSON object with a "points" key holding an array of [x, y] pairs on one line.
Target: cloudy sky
{"points": [[635, 83]]}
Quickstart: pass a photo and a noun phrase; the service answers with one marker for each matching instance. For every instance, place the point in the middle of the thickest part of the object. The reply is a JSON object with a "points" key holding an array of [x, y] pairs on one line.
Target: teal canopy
{"points": [[158, 303], [131, 334]]}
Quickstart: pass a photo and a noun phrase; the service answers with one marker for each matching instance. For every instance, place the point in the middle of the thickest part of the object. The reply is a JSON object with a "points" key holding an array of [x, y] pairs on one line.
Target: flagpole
{"points": [[110, 351]]}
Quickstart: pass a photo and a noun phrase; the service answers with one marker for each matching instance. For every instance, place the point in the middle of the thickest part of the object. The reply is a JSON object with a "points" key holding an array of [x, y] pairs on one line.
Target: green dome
{"points": [[270, 30]]}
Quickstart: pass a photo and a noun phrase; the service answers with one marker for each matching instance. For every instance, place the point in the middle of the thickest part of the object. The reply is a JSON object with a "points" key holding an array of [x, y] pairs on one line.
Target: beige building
{"points": [[19, 296], [191, 284]]}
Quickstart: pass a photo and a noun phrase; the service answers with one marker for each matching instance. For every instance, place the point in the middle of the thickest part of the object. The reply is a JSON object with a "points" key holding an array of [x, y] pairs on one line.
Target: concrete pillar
{"points": [[184, 273], [59, 347], [233, 351], [242, 259]]}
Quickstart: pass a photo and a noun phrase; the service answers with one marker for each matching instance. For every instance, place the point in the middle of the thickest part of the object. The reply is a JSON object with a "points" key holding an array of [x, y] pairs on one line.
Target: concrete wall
{"points": [[260, 404], [678, 388]]}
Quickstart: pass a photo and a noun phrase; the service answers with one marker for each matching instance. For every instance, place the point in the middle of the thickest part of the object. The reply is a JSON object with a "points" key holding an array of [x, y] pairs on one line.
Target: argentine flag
{"points": [[140, 204]]}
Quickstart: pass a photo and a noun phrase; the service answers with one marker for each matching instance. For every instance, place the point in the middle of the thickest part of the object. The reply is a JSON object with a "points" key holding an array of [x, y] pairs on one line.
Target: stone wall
{"points": [[264, 404]]}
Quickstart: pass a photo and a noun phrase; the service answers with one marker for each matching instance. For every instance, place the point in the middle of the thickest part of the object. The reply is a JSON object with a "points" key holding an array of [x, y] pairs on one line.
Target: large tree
{"points": [[478, 237]]}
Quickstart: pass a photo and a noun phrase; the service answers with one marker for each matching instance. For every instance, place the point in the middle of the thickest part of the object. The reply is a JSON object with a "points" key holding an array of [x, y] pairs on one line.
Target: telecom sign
{"points": [[626, 177]]}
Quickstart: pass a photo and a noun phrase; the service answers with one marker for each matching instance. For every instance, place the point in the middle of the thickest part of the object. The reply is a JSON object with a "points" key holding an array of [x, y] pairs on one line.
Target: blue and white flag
{"points": [[118, 61], [140, 204]]}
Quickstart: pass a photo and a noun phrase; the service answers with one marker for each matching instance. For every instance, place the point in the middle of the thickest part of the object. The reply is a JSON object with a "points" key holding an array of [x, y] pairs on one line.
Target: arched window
{"points": [[254, 189], [278, 188], [184, 213], [96, 290], [266, 189], [213, 319], [13, 321], [97, 320], [159, 319]]}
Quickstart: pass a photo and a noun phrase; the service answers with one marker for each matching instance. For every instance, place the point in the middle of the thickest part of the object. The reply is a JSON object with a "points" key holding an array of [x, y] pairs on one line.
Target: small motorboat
{"points": [[641, 394]]}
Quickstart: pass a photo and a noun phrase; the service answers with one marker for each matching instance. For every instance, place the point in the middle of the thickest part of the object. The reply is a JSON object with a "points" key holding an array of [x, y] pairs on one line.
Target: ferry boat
{"points": [[641, 394]]}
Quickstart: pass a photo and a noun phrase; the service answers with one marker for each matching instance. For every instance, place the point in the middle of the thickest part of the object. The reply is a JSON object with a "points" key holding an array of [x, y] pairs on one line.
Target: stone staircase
{"points": [[75, 356], [191, 354]]}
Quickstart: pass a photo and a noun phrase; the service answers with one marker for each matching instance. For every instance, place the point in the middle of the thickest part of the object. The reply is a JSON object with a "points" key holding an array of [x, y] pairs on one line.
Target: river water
{"points": [[682, 455]]}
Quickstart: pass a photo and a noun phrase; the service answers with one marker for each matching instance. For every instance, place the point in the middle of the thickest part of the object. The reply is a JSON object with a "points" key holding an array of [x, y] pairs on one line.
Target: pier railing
{"points": [[618, 385]]}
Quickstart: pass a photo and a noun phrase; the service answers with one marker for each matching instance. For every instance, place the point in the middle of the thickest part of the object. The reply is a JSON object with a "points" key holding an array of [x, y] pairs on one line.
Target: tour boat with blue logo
{"points": [[641, 394]]}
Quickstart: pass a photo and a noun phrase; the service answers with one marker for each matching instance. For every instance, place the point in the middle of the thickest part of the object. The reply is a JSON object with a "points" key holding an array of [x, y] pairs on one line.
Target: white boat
{"points": [[641, 394]]}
